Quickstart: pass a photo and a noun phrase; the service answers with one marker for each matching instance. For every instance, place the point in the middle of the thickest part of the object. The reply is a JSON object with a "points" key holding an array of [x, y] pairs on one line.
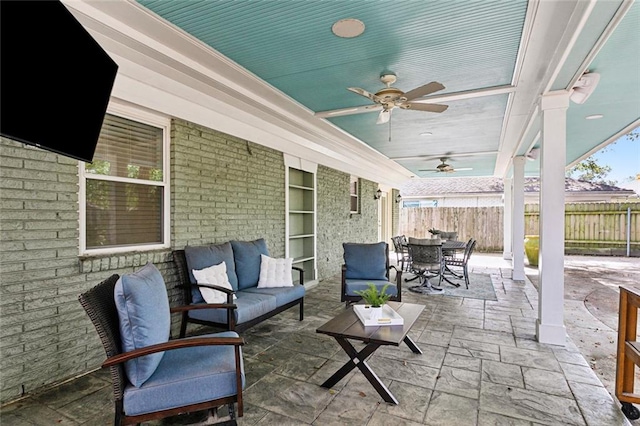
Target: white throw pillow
{"points": [[214, 275], [275, 272]]}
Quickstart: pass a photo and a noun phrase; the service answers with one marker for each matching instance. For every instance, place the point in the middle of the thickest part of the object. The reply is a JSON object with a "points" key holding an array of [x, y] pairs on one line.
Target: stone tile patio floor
{"points": [[480, 366]]}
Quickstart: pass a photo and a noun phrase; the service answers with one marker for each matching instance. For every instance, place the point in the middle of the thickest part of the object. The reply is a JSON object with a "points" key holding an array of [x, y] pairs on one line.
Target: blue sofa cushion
{"points": [[365, 261], [247, 258], [283, 295], [143, 313], [249, 306], [200, 257], [352, 286], [204, 373]]}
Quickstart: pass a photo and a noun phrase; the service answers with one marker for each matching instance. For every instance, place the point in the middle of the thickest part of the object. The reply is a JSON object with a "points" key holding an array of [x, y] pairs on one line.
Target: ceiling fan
{"points": [[443, 167], [390, 97]]}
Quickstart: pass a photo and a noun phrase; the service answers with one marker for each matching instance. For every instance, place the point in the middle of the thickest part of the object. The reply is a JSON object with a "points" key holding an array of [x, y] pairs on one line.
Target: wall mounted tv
{"points": [[55, 79]]}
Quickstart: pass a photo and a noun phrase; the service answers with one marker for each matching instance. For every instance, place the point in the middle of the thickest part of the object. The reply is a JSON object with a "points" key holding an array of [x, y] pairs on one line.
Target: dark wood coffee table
{"points": [[347, 326]]}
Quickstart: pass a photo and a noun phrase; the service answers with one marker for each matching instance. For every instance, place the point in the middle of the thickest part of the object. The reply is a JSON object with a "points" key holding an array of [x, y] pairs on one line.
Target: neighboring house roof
{"points": [[491, 186]]}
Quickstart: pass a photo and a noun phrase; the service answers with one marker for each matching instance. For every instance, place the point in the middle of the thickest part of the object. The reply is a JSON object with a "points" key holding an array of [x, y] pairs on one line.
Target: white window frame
{"points": [[355, 179], [151, 119]]}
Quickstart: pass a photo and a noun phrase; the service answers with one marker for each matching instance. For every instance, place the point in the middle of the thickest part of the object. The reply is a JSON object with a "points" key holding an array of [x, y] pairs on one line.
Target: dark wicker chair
{"points": [[100, 306]]}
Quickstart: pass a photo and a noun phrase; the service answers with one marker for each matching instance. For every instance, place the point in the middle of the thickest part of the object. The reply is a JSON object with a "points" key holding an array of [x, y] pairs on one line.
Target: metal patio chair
{"points": [[461, 262]]}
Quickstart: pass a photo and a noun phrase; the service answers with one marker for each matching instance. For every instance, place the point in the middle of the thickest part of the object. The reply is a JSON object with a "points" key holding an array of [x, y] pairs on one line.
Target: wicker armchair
{"points": [[183, 381]]}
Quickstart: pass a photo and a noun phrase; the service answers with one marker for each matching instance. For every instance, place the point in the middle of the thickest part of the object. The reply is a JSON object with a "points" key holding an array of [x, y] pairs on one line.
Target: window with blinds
{"points": [[354, 188], [125, 186]]}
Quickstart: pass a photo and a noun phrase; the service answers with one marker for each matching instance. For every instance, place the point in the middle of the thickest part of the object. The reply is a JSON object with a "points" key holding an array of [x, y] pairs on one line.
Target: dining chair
{"points": [[426, 260], [154, 377], [366, 264], [401, 251], [461, 262]]}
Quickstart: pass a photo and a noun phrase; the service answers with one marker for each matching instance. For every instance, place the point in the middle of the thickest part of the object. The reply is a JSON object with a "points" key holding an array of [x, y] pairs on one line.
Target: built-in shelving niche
{"points": [[301, 216]]}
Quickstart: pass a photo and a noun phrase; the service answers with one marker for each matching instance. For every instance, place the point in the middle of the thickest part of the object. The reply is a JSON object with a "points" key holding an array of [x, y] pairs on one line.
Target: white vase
{"points": [[375, 313]]}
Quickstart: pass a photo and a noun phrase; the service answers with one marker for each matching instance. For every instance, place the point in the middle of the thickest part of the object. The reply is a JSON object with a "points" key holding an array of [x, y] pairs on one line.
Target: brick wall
{"points": [[335, 224], [222, 188]]}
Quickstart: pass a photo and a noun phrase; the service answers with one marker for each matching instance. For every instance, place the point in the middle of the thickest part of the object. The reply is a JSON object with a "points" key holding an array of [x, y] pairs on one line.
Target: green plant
{"points": [[434, 231], [374, 297]]}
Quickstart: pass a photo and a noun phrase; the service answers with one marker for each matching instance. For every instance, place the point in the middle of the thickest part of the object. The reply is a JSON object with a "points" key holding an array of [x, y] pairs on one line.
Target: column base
{"points": [[551, 334], [517, 274], [507, 255]]}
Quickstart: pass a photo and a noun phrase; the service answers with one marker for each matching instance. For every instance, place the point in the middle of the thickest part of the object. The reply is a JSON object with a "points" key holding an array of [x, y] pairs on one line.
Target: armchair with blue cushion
{"points": [[154, 377], [366, 264]]}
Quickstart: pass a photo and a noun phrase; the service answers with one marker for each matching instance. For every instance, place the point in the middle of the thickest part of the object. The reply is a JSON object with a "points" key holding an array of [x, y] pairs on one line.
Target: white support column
{"points": [[550, 325], [507, 219], [517, 241]]}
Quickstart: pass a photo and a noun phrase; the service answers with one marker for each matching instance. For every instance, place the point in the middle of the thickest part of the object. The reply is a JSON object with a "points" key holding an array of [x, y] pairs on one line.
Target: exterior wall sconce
{"points": [[377, 195], [398, 198]]}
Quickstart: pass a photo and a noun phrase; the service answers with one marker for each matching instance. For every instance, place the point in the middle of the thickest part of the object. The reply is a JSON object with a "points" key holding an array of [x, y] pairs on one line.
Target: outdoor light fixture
{"points": [[584, 87], [533, 154], [378, 194], [348, 28], [398, 198]]}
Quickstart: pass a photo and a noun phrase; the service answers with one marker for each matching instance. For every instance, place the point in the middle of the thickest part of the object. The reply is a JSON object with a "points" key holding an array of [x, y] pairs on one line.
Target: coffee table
{"points": [[347, 326]]}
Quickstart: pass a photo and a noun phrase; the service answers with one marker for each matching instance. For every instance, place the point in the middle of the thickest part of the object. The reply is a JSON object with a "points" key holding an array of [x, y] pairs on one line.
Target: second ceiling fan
{"points": [[443, 167], [391, 97]]}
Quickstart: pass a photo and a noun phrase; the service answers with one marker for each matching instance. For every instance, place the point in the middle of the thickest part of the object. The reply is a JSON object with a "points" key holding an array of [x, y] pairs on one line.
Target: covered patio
{"points": [[481, 365], [222, 125]]}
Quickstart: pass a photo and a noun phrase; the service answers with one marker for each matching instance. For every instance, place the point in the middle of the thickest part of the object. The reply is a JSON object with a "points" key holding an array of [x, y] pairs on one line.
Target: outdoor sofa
{"points": [[259, 286]]}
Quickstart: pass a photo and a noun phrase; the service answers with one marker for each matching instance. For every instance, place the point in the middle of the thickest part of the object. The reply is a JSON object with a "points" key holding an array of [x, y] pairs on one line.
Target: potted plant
{"points": [[435, 233], [375, 299]]}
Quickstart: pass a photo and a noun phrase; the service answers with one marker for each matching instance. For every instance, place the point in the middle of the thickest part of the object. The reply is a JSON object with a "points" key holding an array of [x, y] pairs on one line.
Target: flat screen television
{"points": [[55, 79]]}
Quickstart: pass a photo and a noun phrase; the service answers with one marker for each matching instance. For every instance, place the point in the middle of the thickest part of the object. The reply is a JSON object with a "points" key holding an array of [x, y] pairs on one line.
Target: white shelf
{"points": [[301, 220]]}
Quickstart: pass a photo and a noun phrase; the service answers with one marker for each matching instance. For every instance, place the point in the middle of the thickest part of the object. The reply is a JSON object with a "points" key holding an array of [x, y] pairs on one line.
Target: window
{"points": [[354, 191], [124, 192]]}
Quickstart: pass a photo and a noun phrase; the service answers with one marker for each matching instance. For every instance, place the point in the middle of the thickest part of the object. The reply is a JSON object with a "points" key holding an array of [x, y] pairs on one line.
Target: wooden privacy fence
{"points": [[590, 228]]}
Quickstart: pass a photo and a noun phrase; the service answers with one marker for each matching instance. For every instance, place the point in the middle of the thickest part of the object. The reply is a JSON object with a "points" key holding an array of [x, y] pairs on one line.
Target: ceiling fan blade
{"points": [[384, 116], [348, 111], [424, 107], [462, 169], [421, 91], [366, 94]]}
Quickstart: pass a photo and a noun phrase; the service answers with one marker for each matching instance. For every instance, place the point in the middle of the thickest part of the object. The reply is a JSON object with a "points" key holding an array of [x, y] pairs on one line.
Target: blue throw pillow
{"points": [[143, 313], [247, 258], [365, 261], [201, 257]]}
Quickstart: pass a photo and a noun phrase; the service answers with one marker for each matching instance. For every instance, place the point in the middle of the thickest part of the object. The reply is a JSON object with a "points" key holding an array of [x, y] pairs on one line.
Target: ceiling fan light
{"points": [[348, 28]]}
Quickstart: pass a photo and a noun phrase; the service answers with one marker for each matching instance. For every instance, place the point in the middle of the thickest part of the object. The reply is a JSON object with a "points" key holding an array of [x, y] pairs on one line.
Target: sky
{"points": [[623, 156]]}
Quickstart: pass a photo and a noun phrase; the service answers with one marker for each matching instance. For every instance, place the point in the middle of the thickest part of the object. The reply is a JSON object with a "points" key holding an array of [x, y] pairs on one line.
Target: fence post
{"points": [[628, 231]]}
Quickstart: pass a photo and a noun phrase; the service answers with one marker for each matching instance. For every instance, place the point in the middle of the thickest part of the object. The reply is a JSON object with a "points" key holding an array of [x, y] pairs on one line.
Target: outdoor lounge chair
{"points": [[154, 377], [366, 264]]}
